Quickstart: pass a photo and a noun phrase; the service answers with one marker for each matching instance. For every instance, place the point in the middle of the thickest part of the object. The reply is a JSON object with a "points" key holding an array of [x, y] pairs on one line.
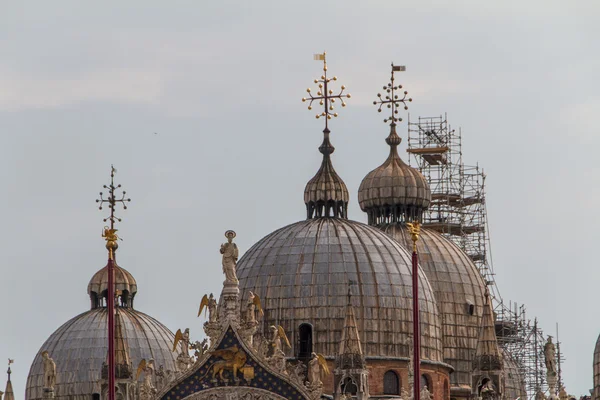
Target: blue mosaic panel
{"points": [[202, 379]]}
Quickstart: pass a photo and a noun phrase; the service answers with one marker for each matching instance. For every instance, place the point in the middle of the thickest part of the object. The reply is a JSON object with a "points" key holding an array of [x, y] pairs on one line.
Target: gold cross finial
{"points": [[325, 96], [110, 233], [391, 99]]}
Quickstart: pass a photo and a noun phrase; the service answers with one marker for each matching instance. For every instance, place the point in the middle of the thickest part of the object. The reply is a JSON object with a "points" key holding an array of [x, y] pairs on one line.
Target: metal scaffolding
{"points": [[458, 211]]}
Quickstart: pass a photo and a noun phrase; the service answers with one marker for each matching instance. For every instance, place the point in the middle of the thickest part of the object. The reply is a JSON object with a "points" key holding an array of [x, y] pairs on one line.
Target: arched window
{"points": [[425, 381], [305, 342], [391, 383], [349, 387]]}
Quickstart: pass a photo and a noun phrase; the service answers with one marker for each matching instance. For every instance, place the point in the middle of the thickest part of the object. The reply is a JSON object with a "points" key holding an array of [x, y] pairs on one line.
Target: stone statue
{"points": [[425, 393], [184, 339], [251, 307], [314, 370], [550, 356], [212, 309], [230, 257], [317, 368], [49, 371], [488, 391], [147, 367]]}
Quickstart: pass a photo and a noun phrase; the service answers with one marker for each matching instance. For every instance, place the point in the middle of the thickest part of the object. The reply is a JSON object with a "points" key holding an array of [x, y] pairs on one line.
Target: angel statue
{"points": [[184, 339], [253, 304], [49, 371], [209, 303], [278, 333], [230, 257], [317, 370], [147, 367]]}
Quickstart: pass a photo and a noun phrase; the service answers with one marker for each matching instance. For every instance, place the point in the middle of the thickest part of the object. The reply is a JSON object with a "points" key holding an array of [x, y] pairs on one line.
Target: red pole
{"points": [[111, 327], [416, 331]]}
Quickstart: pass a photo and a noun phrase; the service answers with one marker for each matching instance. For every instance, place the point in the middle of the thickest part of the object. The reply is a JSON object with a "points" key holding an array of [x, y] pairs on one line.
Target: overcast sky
{"points": [[85, 85]]}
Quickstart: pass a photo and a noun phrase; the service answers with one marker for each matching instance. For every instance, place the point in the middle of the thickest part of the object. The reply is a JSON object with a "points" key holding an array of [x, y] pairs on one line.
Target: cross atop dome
{"points": [[326, 194], [391, 99], [325, 96], [110, 233]]}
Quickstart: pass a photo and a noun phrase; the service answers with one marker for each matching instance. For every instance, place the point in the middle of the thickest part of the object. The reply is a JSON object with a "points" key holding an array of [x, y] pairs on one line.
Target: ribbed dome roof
{"points": [[124, 281], [302, 273], [79, 349], [459, 291], [597, 370], [393, 191], [326, 194], [514, 384]]}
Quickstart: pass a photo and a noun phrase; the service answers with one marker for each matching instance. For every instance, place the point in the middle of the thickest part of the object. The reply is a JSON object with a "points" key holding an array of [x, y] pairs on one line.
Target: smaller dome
{"points": [[394, 191], [326, 194], [125, 285]]}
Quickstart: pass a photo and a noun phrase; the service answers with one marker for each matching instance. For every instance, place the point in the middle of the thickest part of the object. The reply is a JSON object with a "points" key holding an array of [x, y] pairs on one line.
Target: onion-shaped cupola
{"points": [[393, 192], [326, 194]]}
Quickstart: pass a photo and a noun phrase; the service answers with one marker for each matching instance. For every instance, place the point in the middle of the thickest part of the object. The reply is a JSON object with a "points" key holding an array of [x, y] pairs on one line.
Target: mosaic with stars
{"points": [[251, 375]]}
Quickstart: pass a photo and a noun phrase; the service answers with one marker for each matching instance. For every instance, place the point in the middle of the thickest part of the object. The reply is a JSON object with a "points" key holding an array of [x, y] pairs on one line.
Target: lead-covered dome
{"points": [[597, 370], [80, 346], [460, 293], [302, 273], [393, 190]]}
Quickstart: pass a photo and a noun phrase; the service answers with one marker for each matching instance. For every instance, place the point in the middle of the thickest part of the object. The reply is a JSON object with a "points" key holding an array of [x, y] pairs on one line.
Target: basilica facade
{"points": [[319, 308]]}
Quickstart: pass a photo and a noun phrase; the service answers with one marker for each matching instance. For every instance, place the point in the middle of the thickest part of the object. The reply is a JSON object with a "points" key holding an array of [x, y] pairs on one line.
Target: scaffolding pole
{"points": [[458, 211]]}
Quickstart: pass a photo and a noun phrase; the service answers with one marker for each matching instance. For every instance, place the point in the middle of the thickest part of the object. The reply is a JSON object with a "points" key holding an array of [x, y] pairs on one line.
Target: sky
{"points": [[197, 105]]}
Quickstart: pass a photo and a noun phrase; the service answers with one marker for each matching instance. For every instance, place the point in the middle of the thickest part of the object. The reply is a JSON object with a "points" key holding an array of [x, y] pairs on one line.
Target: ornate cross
{"points": [[112, 200], [392, 100], [325, 95]]}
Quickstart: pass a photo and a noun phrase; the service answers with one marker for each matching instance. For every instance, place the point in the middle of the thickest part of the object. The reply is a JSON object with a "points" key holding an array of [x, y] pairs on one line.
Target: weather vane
{"points": [[112, 200], [325, 96], [391, 99]]}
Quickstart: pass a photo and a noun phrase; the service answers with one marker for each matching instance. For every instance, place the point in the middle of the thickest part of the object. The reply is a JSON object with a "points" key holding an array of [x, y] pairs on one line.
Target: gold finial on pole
{"points": [[414, 229], [110, 232], [325, 96]]}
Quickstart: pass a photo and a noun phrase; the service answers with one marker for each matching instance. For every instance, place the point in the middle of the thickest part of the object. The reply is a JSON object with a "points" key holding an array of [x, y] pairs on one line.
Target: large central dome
{"points": [[302, 273]]}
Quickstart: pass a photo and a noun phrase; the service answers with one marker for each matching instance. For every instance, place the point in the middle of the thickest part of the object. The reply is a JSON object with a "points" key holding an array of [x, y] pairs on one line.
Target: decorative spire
{"points": [[350, 375], [487, 353], [326, 194], [110, 233], [393, 192], [350, 346], [8, 392]]}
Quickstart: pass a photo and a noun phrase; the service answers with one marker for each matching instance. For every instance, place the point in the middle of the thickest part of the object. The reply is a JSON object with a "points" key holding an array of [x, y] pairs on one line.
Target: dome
{"points": [[302, 273], [597, 370], [393, 190], [79, 349], [125, 284], [514, 384], [326, 193], [459, 291]]}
